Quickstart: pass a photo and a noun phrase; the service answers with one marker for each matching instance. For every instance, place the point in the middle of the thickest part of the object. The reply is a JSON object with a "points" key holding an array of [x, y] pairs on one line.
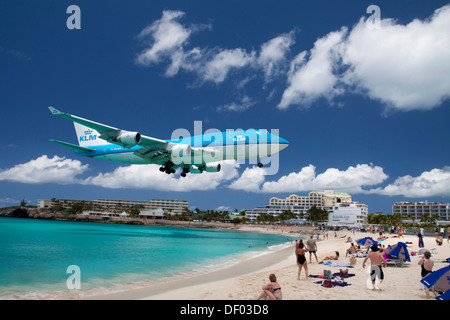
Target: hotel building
{"points": [[415, 210], [339, 204]]}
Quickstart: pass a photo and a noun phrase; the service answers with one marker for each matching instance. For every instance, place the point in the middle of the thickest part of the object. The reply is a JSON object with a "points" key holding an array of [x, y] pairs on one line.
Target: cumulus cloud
{"points": [[311, 79], [435, 182], [405, 67], [352, 180], [359, 179], [167, 39], [45, 170], [149, 177], [273, 53]]}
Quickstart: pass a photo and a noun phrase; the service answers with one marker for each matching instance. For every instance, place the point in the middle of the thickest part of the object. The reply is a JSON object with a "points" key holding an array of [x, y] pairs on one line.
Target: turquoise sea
{"points": [[35, 254]]}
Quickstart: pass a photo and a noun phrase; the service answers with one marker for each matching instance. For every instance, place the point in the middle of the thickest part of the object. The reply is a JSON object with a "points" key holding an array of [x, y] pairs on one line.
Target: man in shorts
{"points": [[312, 247], [376, 262]]}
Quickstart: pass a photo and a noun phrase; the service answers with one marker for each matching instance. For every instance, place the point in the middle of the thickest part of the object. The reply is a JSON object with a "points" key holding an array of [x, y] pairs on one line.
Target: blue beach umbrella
{"points": [[367, 242], [440, 279], [398, 251], [445, 296]]}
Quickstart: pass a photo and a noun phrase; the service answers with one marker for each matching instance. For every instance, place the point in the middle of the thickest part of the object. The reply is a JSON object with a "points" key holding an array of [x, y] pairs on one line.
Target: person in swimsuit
{"points": [[272, 290], [301, 260], [427, 268], [376, 261]]}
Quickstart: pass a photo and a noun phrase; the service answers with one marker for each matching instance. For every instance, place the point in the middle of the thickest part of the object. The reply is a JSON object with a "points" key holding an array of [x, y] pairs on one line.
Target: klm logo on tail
{"points": [[88, 136]]}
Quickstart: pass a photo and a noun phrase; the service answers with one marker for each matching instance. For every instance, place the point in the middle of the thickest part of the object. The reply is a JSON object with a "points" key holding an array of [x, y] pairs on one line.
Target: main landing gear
{"points": [[167, 168]]}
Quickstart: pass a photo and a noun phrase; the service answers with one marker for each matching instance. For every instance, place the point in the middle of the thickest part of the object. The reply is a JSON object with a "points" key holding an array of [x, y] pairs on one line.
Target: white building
{"points": [[348, 214]]}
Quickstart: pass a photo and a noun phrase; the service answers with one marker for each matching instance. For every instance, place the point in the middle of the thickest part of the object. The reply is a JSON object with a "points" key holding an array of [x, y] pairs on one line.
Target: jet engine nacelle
{"points": [[181, 153], [212, 167], [129, 138]]}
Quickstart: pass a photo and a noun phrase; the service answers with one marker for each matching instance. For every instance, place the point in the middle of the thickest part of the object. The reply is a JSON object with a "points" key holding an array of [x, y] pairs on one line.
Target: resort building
{"points": [[326, 198], [339, 204], [415, 210], [170, 206]]}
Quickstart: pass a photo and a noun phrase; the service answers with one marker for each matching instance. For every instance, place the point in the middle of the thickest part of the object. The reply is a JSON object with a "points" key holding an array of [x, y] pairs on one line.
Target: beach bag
{"points": [[352, 260], [326, 283], [343, 273], [327, 274]]}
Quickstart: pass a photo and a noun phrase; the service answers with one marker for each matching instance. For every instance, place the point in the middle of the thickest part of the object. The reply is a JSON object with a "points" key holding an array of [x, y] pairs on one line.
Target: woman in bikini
{"points": [[272, 290], [301, 260]]}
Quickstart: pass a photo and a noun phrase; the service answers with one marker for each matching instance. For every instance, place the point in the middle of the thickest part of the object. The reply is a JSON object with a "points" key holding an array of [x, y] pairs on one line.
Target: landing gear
{"points": [[167, 168], [260, 163], [185, 170]]}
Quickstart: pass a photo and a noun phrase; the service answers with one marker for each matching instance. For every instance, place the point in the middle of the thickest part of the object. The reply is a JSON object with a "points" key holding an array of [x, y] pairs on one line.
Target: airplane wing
{"points": [[114, 135]]}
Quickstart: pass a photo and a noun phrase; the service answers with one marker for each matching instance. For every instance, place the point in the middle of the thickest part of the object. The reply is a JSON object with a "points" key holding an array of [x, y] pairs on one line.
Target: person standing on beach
{"points": [[376, 262], [301, 259], [427, 267], [312, 248]]}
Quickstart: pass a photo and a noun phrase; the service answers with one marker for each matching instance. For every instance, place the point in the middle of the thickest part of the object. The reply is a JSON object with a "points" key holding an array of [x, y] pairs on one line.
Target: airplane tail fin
{"points": [[87, 136]]}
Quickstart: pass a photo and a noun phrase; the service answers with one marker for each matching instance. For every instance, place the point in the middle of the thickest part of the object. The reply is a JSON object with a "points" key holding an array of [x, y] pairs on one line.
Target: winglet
{"points": [[54, 111]]}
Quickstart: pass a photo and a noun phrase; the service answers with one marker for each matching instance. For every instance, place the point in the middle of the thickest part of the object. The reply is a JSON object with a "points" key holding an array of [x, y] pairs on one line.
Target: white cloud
{"points": [[219, 66], [314, 78], [351, 180], [250, 180], [405, 67], [273, 54], [244, 104], [149, 177], [435, 182], [45, 170], [166, 38]]}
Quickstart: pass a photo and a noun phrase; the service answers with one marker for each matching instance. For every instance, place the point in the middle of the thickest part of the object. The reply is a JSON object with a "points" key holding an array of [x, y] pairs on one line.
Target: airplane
{"points": [[193, 154]]}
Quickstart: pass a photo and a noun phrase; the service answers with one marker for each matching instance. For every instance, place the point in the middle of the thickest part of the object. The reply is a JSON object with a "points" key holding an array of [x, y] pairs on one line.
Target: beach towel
{"points": [[334, 264]]}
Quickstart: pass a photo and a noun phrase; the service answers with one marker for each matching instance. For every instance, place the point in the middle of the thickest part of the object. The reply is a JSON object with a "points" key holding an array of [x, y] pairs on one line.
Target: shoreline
{"points": [[243, 281]]}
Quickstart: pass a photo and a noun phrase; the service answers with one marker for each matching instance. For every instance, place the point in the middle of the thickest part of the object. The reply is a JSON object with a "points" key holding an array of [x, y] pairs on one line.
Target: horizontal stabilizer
{"points": [[72, 146]]}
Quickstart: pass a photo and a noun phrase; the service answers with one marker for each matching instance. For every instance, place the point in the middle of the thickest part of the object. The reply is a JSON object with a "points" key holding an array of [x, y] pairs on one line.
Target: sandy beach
{"points": [[243, 281]]}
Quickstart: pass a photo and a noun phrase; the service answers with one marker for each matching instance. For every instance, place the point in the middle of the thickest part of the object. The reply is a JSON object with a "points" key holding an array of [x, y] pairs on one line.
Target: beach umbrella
{"points": [[367, 242], [440, 279], [398, 251], [444, 296]]}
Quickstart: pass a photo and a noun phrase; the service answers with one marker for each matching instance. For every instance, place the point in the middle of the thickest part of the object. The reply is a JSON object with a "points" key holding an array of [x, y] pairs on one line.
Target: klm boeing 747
{"points": [[193, 154]]}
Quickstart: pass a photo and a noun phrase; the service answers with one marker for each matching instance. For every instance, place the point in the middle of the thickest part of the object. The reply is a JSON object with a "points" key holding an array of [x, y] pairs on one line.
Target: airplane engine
{"points": [[181, 153], [129, 138], [212, 167]]}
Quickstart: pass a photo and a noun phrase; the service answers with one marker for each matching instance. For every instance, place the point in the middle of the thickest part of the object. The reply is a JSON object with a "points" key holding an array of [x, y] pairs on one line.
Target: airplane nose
{"points": [[284, 141]]}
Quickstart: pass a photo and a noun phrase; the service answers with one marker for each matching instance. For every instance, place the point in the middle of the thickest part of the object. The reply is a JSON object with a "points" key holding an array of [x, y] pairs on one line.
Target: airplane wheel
{"points": [[161, 169], [172, 170], [260, 164], [183, 174]]}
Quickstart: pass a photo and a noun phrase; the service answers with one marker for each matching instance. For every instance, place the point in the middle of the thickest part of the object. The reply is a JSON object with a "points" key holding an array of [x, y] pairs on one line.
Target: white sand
{"points": [[244, 281]]}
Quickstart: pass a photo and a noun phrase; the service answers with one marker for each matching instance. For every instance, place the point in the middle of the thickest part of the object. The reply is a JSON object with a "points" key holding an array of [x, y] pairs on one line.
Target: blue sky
{"points": [[364, 107]]}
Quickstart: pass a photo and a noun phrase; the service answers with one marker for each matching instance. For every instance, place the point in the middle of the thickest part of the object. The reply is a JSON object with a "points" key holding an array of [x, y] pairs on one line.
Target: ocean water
{"points": [[35, 254]]}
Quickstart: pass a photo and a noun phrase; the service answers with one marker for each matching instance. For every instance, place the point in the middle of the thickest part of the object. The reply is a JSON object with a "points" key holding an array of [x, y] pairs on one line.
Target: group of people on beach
{"points": [[376, 258]]}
